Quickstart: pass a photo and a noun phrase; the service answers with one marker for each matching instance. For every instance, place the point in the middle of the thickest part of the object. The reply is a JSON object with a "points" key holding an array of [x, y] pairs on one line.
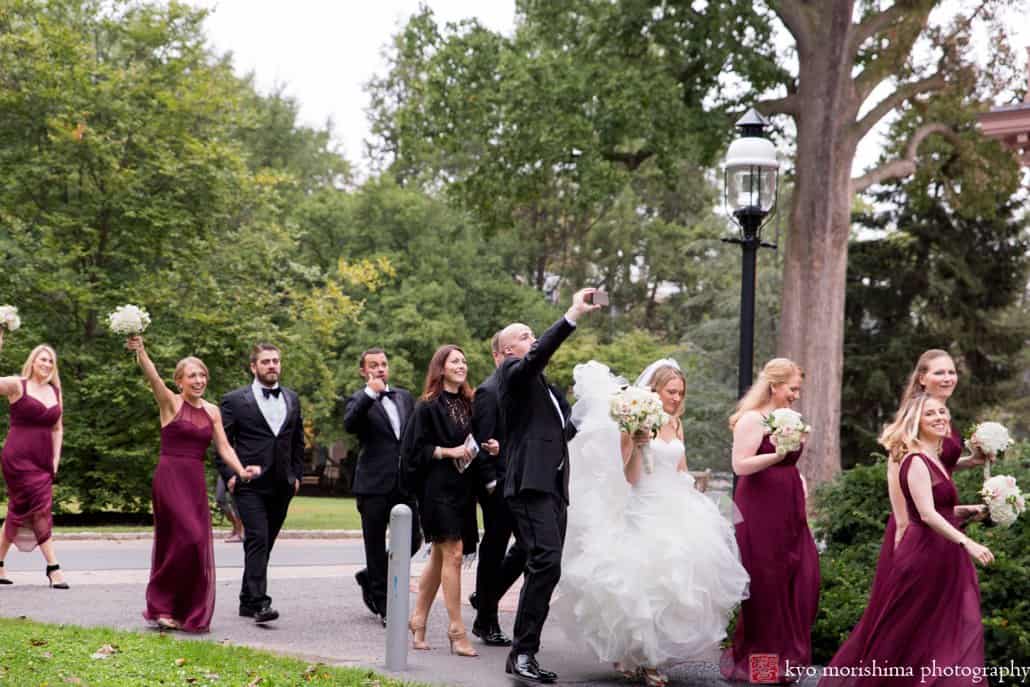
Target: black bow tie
{"points": [[389, 393], [271, 392]]}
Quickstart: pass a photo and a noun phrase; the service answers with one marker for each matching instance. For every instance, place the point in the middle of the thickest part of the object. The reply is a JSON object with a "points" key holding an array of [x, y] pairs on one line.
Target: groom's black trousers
{"points": [[498, 566], [540, 519]]}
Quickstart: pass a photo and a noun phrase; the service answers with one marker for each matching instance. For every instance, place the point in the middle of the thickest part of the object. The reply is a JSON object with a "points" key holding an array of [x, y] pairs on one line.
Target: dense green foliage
{"points": [[851, 513]]}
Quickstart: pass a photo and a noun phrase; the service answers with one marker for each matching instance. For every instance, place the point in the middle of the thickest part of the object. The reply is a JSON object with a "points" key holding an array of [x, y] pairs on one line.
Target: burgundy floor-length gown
{"points": [[927, 613], [182, 566], [951, 450], [28, 467], [777, 549]]}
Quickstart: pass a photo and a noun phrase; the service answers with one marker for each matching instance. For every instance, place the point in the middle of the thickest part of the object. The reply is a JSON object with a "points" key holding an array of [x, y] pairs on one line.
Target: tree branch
{"points": [[905, 166], [631, 160], [874, 24], [785, 105], [792, 14], [899, 96]]}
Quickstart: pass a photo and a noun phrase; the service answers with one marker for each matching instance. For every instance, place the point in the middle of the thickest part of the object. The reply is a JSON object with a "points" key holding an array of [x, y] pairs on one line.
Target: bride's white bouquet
{"points": [[636, 409], [1004, 500], [788, 429], [128, 320], [9, 317]]}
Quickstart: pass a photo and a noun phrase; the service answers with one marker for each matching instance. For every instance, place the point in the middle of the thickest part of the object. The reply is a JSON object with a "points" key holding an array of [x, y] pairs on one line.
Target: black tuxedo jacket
{"points": [[380, 453], [488, 423], [281, 456], [535, 441]]}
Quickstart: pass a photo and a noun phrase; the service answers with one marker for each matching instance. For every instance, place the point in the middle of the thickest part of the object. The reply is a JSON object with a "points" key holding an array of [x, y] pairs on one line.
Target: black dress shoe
{"points": [[265, 615], [474, 601], [491, 634], [366, 591], [525, 667]]}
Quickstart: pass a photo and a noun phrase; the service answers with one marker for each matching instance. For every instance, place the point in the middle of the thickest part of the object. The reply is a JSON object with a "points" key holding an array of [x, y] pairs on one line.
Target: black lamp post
{"points": [[750, 185]]}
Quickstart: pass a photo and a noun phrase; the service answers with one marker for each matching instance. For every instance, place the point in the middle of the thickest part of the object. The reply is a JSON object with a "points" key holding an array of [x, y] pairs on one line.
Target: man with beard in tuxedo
{"points": [[378, 414], [263, 424], [536, 486]]}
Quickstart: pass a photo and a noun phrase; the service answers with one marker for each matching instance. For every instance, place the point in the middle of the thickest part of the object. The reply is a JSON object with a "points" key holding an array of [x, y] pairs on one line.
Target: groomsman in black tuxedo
{"points": [[536, 485], [498, 566], [378, 414], [263, 423]]}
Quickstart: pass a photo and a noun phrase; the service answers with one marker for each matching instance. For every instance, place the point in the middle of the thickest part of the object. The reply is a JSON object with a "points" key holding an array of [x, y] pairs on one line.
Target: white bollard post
{"points": [[398, 582]]}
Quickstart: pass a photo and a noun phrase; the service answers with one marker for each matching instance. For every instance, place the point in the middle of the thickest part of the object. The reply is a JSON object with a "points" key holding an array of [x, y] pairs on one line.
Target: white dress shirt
{"points": [[391, 410], [273, 408]]}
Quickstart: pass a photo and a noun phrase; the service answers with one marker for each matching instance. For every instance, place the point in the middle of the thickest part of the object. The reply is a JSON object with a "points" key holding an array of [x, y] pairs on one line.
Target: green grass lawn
{"points": [[306, 513], [34, 654]]}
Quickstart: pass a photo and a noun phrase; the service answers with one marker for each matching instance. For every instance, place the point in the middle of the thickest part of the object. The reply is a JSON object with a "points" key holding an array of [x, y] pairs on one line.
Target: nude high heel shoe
{"points": [[455, 636], [417, 642]]}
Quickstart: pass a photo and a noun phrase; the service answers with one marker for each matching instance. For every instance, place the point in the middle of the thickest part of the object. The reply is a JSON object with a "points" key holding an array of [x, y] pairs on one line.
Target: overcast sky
{"points": [[325, 51]]}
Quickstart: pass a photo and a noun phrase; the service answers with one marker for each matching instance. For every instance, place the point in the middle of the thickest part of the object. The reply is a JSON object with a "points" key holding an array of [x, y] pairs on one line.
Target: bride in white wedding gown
{"points": [[650, 570]]}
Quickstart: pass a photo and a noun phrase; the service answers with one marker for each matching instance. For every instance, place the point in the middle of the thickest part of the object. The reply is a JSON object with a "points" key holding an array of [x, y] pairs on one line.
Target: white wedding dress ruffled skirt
{"points": [[650, 573]]}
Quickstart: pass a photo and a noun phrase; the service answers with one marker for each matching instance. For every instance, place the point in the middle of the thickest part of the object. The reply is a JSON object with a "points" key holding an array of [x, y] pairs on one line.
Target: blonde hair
{"points": [[180, 367], [913, 386], [776, 371], [661, 377], [902, 434], [26, 369]]}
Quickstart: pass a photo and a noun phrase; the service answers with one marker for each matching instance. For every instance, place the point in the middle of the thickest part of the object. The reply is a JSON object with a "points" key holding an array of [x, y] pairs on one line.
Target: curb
{"points": [[218, 534]]}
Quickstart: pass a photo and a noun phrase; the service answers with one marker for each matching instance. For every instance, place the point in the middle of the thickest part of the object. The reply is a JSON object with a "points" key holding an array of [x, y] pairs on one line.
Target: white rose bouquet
{"points": [[636, 409], [787, 428], [1004, 500], [128, 320], [992, 438], [9, 319]]}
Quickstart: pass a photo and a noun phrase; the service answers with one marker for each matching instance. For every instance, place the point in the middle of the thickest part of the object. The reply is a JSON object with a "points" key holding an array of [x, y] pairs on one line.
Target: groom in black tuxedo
{"points": [[536, 485], [378, 414], [263, 424]]}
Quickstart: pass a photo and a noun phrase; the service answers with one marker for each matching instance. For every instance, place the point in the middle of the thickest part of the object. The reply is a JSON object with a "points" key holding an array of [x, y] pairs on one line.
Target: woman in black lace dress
{"points": [[435, 453]]}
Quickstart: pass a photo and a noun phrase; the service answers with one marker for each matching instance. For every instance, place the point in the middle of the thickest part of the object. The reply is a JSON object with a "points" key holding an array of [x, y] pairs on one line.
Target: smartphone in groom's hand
{"points": [[597, 298]]}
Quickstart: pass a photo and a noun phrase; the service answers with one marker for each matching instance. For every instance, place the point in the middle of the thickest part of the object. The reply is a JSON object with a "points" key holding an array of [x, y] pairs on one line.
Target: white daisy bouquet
{"points": [[636, 409], [9, 319], [788, 429], [1004, 500], [128, 320], [992, 438]]}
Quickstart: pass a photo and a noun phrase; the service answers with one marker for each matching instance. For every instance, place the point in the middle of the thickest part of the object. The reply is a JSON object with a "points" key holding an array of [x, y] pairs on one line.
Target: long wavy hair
{"points": [[776, 371], [26, 369], [900, 437], [434, 375], [922, 367]]}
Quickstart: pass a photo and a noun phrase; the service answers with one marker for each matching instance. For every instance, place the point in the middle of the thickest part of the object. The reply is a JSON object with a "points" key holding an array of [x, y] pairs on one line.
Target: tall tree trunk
{"points": [[812, 324]]}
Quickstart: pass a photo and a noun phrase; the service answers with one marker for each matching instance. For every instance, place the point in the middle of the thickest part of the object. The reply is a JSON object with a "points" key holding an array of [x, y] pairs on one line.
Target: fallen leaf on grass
{"points": [[255, 682], [47, 654], [180, 662], [105, 651], [73, 680], [38, 642]]}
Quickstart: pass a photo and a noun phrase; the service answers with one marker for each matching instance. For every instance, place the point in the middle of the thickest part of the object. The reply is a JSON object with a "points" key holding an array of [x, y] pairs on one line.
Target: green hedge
{"points": [[850, 517]]}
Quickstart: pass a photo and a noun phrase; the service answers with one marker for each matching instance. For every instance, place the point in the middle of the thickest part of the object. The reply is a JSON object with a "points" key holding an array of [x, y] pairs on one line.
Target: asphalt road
{"points": [[323, 618]]}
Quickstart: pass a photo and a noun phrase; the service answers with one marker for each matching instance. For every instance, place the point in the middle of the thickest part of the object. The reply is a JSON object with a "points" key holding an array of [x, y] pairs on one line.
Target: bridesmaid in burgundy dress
{"points": [[181, 592], [31, 456], [927, 610], [934, 374], [776, 547]]}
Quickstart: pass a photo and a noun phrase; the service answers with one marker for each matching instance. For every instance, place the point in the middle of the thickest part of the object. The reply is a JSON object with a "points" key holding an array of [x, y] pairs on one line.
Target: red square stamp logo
{"points": [[764, 668]]}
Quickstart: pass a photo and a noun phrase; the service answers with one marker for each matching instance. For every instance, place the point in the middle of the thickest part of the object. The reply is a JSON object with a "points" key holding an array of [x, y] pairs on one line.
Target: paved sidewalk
{"points": [[323, 617]]}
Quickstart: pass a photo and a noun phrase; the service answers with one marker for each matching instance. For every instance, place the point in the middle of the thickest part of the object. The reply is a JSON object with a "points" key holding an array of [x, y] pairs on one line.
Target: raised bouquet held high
{"points": [[128, 320], [9, 319], [787, 428], [635, 409]]}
